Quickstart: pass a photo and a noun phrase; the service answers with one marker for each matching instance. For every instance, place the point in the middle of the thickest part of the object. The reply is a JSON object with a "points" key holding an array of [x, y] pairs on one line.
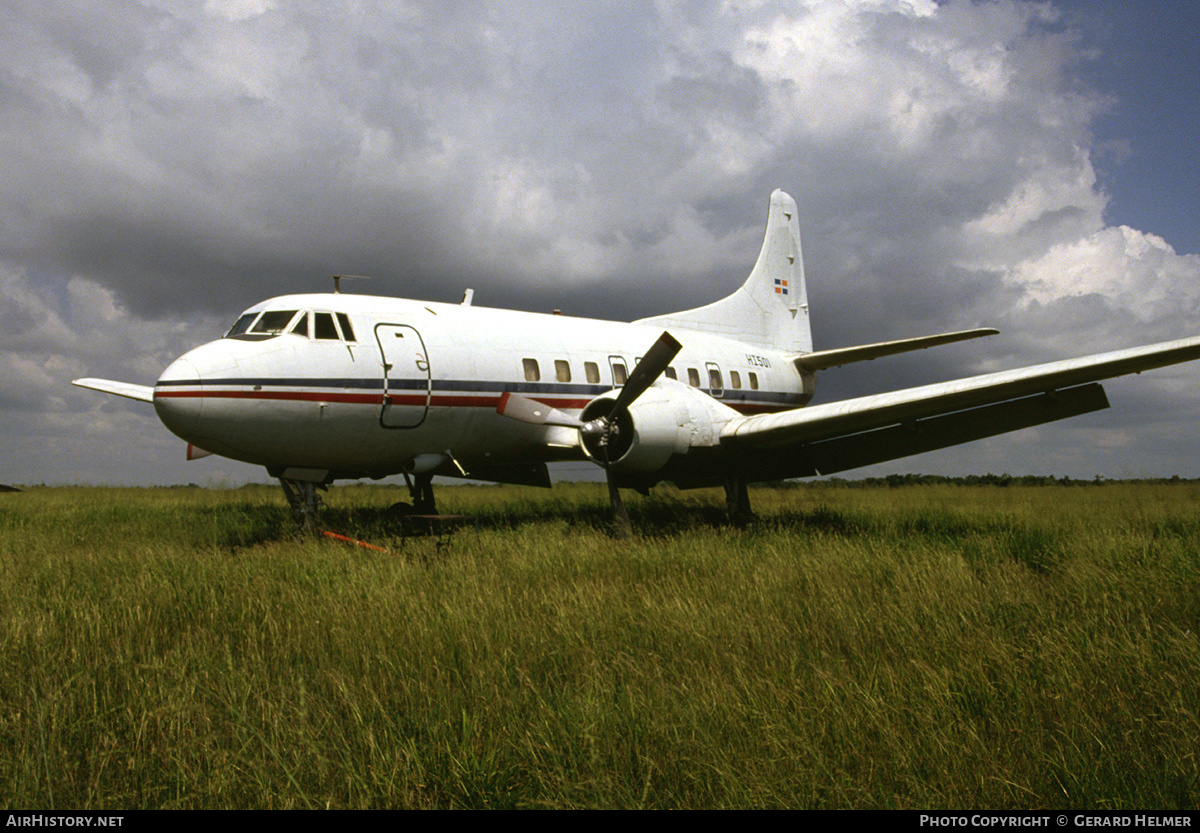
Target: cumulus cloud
{"points": [[1131, 272], [171, 163]]}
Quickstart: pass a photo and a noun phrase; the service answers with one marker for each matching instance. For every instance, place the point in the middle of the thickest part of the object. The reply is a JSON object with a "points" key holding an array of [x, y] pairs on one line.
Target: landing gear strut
{"points": [[420, 489], [737, 501], [302, 497]]}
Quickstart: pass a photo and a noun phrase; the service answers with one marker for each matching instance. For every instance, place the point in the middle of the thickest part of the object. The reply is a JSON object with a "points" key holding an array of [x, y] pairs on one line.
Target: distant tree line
{"points": [[895, 480]]}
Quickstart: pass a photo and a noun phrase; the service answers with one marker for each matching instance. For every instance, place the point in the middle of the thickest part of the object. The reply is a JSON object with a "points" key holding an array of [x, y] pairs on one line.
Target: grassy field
{"points": [[916, 647]]}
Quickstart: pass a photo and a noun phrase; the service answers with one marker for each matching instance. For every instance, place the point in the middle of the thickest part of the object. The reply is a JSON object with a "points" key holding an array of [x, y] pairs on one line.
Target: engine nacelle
{"points": [[667, 419]]}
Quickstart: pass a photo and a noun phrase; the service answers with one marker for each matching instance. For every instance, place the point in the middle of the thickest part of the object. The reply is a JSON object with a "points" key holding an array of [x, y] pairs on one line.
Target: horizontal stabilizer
{"points": [[823, 359], [142, 393]]}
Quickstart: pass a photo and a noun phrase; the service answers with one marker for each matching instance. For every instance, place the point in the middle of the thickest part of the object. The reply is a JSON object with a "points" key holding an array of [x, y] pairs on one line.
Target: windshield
{"points": [[273, 322], [241, 325], [254, 327]]}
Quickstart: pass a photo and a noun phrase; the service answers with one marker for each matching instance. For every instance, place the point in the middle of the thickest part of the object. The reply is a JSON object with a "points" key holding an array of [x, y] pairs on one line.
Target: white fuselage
{"points": [[415, 378]]}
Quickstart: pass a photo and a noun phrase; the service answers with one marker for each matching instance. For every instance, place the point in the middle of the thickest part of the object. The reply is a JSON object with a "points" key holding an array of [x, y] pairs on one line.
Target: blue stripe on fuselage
{"points": [[731, 395]]}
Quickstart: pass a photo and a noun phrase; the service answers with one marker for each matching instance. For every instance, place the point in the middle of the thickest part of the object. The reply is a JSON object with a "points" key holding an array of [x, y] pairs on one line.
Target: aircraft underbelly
{"points": [[277, 432]]}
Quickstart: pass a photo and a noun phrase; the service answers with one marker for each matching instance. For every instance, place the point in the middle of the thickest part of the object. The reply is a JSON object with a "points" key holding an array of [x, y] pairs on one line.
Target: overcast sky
{"points": [[1025, 166]]}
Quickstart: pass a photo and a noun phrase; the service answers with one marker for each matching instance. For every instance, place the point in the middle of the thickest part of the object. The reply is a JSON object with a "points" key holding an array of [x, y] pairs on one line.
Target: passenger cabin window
{"points": [[714, 379], [591, 371], [693, 377], [735, 379], [670, 373], [532, 373], [618, 369], [562, 370], [753, 380]]}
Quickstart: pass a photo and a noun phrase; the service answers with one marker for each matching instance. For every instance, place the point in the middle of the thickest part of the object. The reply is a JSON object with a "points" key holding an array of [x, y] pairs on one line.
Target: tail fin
{"points": [[771, 307]]}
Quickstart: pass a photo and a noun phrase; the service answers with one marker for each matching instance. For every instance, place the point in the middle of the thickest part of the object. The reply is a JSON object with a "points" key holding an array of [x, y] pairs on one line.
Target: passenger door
{"points": [[407, 385]]}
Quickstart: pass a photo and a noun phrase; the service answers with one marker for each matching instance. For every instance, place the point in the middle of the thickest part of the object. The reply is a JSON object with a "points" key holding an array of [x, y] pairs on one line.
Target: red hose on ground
{"points": [[357, 543]]}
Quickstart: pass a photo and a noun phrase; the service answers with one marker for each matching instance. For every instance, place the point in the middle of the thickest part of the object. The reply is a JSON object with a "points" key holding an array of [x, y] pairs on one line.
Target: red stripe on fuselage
{"points": [[446, 401], [296, 395]]}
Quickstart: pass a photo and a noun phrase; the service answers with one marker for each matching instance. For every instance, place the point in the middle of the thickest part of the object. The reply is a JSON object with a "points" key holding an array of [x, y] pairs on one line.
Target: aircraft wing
{"points": [[824, 439], [142, 393]]}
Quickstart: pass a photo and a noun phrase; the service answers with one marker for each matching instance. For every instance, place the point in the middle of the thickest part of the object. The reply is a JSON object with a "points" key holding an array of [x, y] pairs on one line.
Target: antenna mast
{"points": [[337, 281]]}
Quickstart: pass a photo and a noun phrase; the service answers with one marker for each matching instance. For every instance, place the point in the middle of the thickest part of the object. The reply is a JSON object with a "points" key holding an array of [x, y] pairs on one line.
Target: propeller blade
{"points": [[622, 528], [523, 408], [646, 372]]}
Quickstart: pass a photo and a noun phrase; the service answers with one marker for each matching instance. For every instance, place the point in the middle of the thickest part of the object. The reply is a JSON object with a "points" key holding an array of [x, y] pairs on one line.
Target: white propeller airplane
{"points": [[331, 386]]}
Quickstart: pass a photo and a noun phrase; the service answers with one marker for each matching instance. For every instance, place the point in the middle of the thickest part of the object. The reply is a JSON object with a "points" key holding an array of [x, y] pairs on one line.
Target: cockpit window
{"points": [[273, 322], [323, 326], [347, 330], [255, 326], [241, 325]]}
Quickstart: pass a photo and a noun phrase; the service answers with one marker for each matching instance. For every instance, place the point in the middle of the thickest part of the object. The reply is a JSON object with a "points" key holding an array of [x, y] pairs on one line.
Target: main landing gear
{"points": [[305, 503], [420, 489], [737, 501]]}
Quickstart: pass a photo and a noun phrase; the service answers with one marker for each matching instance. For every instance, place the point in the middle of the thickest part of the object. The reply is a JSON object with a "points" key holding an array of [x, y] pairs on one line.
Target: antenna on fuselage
{"points": [[337, 281]]}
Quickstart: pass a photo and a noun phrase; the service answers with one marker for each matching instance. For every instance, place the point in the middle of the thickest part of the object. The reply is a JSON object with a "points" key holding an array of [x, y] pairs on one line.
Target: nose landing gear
{"points": [[304, 501]]}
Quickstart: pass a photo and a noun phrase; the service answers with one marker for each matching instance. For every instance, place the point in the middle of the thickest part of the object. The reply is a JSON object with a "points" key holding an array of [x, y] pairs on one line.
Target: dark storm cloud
{"points": [[102, 40], [156, 264], [17, 320]]}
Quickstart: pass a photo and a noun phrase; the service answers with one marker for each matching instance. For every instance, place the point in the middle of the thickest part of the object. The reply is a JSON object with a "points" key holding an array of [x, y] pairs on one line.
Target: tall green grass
{"points": [[933, 646]]}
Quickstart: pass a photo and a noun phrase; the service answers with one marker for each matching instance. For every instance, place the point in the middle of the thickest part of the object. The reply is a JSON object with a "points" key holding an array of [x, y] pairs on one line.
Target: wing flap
{"points": [[142, 393], [895, 441], [841, 427]]}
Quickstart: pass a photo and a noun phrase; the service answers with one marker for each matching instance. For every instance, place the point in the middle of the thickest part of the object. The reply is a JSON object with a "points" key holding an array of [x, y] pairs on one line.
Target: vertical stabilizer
{"points": [[771, 307]]}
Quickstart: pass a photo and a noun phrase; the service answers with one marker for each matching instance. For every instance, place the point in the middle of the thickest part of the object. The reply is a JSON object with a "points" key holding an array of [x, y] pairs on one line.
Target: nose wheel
{"points": [[304, 501]]}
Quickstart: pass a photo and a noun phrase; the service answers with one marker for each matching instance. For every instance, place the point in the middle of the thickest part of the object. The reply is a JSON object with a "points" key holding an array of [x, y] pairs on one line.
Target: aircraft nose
{"points": [[179, 398]]}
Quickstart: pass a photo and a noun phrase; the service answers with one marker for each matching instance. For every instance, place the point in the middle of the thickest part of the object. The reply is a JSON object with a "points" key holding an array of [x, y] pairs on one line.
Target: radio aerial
{"points": [[337, 281]]}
